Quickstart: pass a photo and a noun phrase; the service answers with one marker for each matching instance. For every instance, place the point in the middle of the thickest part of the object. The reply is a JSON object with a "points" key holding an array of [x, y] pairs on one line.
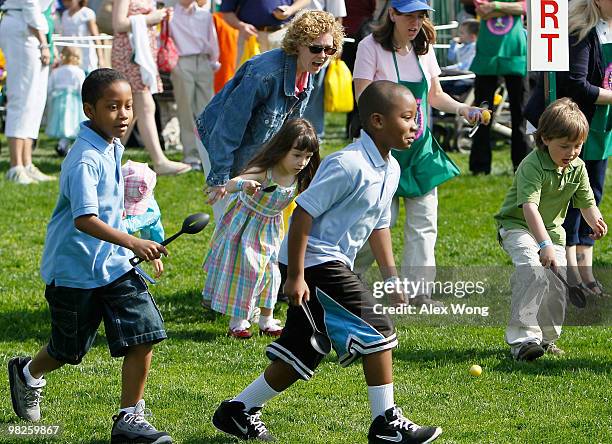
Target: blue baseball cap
{"points": [[406, 6]]}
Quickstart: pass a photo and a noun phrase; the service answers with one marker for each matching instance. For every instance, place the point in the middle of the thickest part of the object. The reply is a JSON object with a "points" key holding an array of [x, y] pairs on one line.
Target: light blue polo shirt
{"points": [[348, 198], [90, 183]]}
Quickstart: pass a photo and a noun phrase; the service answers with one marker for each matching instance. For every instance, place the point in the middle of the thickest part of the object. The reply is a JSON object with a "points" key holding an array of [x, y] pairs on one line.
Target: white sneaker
{"points": [[37, 175], [19, 175], [134, 427]]}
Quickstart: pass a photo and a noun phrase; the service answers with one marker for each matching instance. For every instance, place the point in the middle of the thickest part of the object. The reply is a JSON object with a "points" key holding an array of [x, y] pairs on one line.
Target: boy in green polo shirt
{"points": [[530, 230]]}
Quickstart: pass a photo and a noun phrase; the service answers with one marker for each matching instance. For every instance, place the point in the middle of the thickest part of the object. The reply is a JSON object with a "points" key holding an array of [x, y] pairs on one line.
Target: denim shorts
{"points": [[130, 315]]}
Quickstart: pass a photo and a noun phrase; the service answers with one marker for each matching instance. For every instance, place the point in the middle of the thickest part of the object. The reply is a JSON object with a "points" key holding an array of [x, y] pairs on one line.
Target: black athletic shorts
{"points": [[342, 307]]}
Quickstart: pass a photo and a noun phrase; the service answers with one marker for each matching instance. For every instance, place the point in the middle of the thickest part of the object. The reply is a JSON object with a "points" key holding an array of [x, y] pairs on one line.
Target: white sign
{"points": [[547, 35]]}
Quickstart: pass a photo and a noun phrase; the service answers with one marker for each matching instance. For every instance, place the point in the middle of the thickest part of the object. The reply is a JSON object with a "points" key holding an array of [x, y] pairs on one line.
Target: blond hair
{"points": [[583, 16], [71, 56], [307, 26], [561, 119]]}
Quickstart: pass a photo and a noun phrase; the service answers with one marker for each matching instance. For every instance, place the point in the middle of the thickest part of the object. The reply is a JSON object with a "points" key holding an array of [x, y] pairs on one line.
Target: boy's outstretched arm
{"points": [[594, 218], [537, 228], [146, 249], [295, 286]]}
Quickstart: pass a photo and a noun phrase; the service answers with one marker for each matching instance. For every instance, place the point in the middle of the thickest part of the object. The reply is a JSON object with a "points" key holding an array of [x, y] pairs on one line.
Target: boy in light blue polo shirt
{"points": [[347, 203], [87, 271]]}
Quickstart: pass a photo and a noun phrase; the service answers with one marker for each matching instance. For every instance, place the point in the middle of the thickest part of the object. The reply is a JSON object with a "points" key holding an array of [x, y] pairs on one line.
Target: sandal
{"points": [[596, 288], [272, 328], [239, 334]]}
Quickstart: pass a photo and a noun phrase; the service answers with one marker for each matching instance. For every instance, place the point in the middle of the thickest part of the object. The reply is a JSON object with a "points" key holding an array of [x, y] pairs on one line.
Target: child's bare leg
{"points": [[266, 311], [573, 275], [42, 363], [584, 258], [134, 372], [378, 371], [280, 375], [378, 368]]}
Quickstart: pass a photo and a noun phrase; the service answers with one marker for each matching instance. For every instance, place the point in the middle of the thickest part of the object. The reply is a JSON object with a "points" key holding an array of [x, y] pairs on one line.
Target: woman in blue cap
{"points": [[401, 50]]}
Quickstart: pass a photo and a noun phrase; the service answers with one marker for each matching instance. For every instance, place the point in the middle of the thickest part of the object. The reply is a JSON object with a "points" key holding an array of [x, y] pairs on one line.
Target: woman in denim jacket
{"points": [[266, 91]]}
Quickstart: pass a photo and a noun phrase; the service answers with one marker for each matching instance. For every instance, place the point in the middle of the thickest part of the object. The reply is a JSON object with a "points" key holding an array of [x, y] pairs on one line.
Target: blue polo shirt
{"points": [[348, 198], [256, 12], [90, 183]]}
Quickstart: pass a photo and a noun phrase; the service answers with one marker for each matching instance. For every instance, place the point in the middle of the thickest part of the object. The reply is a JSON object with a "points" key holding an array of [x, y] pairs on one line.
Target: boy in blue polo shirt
{"points": [[347, 203], [87, 271]]}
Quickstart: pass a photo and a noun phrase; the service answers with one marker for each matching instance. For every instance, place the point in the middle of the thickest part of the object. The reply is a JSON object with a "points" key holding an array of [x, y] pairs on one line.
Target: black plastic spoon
{"points": [[191, 225], [269, 188], [574, 293], [319, 340]]}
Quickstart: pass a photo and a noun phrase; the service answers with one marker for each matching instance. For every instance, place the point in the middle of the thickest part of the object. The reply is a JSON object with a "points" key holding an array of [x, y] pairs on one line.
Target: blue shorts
{"points": [[130, 316], [343, 308]]}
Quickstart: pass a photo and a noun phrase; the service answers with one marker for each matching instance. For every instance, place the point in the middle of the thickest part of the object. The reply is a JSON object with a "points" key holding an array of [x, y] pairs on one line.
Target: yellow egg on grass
{"points": [[475, 370]]}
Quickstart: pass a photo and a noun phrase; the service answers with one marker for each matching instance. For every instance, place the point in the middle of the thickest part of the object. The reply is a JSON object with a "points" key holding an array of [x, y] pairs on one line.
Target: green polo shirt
{"points": [[540, 181]]}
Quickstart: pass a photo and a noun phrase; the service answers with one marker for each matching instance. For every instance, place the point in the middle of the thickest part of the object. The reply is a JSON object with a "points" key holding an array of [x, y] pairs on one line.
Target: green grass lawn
{"points": [[564, 400]]}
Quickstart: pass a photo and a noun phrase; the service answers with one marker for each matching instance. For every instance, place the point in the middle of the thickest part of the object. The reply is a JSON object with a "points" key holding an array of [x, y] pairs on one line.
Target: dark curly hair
{"points": [[96, 83]]}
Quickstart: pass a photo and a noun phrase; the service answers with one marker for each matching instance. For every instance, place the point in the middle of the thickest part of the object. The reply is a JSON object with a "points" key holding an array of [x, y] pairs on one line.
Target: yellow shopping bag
{"points": [[338, 88], [251, 48]]}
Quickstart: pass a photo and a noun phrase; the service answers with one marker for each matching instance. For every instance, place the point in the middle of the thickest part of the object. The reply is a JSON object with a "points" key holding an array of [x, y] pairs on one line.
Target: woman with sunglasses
{"points": [[401, 50], [266, 91]]}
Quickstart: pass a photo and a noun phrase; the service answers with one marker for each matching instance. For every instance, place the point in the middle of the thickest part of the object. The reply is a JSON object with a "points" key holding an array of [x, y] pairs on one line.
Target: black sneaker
{"points": [[134, 428], [529, 351], [231, 417], [394, 427]]}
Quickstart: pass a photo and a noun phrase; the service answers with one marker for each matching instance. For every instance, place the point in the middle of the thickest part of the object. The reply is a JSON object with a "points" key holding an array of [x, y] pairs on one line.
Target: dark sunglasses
{"points": [[316, 49]]}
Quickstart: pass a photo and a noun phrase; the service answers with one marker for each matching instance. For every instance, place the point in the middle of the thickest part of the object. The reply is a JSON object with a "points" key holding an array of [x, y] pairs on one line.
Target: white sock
{"points": [[127, 409], [265, 320], [256, 394], [239, 324], [381, 399], [269, 322], [31, 380]]}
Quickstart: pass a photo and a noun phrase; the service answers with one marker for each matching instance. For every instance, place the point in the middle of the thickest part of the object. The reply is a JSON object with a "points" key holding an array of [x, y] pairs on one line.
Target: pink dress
{"points": [[121, 54]]}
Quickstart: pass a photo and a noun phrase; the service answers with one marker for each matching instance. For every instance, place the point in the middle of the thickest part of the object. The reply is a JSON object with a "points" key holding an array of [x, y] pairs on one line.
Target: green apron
{"points": [[424, 165], [598, 145], [501, 48]]}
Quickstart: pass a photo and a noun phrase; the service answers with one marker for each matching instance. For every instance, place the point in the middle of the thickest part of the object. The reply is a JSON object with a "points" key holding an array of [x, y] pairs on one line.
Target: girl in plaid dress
{"points": [[241, 265]]}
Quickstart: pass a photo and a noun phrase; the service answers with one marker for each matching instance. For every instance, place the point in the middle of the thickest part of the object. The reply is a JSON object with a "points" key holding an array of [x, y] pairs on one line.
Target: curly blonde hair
{"points": [[307, 26]]}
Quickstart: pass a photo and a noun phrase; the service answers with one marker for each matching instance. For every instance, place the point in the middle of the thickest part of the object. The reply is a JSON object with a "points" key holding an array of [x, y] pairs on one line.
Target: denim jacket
{"points": [[248, 111]]}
